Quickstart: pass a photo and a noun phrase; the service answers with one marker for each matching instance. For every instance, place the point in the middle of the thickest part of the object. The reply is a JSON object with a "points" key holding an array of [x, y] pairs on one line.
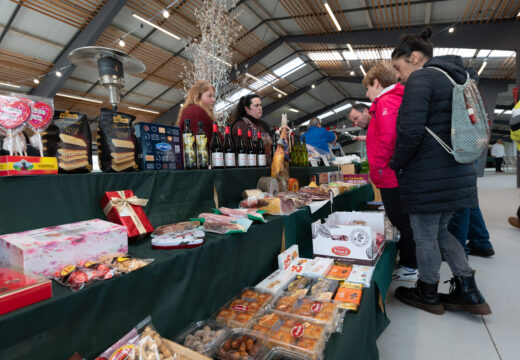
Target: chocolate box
{"points": [[43, 251], [159, 147]]}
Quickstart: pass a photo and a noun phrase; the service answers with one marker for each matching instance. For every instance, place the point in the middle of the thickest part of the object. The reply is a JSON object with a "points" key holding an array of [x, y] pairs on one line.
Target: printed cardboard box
{"points": [[159, 147], [43, 251]]}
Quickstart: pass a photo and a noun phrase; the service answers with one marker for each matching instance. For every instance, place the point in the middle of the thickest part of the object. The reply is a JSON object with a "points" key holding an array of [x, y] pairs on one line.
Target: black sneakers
{"points": [[481, 252]]}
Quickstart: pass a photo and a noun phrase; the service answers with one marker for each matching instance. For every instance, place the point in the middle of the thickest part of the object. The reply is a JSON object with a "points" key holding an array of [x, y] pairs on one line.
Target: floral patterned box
{"points": [[43, 251]]}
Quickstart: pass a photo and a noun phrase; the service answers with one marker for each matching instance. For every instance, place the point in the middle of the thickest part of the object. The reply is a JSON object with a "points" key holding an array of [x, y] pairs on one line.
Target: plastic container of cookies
{"points": [[241, 310], [202, 336], [303, 336], [320, 311], [280, 353], [241, 344]]}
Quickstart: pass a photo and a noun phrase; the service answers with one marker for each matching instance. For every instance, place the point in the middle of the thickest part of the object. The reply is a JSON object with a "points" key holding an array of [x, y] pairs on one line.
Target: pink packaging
{"points": [[43, 251]]}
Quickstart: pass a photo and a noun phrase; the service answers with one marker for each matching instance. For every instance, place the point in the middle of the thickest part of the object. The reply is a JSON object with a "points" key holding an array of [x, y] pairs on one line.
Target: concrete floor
{"points": [[416, 334]]}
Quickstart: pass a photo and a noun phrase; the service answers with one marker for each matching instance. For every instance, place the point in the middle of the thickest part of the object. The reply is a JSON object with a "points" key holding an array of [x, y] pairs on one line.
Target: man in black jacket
{"points": [[433, 185]]}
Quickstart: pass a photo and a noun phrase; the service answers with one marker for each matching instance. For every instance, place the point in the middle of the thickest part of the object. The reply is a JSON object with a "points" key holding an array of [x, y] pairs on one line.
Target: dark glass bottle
{"points": [[217, 150], [260, 151], [188, 143], [241, 150], [202, 148], [251, 151], [229, 150]]}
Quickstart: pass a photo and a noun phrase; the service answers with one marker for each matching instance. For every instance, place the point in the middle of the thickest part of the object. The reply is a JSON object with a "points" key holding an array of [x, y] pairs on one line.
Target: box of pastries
{"points": [[240, 311]]}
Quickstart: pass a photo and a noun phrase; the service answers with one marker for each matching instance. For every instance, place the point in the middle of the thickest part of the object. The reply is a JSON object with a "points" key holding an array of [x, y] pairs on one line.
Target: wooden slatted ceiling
{"points": [[480, 11], [183, 23], [319, 22], [506, 70], [15, 67], [76, 13], [391, 14]]}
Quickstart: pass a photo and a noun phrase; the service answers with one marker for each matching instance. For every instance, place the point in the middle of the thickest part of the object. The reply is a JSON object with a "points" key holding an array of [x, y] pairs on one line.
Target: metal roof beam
{"points": [[9, 22], [50, 85]]}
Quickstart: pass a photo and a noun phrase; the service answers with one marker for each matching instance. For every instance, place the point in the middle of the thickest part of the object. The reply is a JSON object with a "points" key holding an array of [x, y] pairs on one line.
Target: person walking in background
{"points": [[432, 184], [468, 226], [515, 136], [386, 96], [498, 152], [318, 136]]}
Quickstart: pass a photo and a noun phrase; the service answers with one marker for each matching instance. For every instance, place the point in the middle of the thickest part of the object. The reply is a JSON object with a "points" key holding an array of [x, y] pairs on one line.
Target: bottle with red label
{"points": [[229, 150], [217, 150], [260, 151], [241, 150], [251, 151]]}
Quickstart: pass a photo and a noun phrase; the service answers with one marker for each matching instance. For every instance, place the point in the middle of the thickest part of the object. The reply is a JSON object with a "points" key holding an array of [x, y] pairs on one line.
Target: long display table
{"points": [[180, 286]]}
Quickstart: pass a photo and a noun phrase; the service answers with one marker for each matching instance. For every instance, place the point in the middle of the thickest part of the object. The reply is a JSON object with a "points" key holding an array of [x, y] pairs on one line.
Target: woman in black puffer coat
{"points": [[433, 185]]}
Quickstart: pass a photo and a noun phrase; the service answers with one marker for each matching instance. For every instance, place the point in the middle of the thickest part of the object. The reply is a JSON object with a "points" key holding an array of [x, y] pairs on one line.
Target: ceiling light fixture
{"points": [[222, 61], [254, 77], [279, 95], [166, 14], [121, 42], [451, 29], [363, 70], [313, 86], [280, 91], [79, 98], [484, 64], [352, 73], [144, 110], [36, 81], [331, 14], [156, 26], [294, 110], [350, 47], [58, 73], [10, 85]]}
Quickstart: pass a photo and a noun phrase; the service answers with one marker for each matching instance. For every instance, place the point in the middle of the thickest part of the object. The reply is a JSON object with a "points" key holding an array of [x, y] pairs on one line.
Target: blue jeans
{"points": [[468, 225], [433, 238]]}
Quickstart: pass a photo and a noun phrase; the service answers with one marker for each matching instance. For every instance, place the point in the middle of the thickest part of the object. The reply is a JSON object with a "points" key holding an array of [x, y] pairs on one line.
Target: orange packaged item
{"points": [[304, 336], [240, 311], [349, 296], [338, 272]]}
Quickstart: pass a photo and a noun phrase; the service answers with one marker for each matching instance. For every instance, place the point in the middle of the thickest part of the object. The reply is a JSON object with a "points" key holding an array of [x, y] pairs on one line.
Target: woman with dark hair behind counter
{"points": [[248, 117]]}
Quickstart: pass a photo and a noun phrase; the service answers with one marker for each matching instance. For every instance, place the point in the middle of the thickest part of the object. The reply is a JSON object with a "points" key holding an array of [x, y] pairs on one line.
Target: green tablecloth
{"points": [[179, 286]]}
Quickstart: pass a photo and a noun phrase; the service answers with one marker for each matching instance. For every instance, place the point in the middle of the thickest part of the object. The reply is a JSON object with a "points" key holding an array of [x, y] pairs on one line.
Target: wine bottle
{"points": [[275, 143], [188, 143], [217, 151], [202, 148], [251, 151], [241, 150], [305, 153], [229, 150], [260, 151]]}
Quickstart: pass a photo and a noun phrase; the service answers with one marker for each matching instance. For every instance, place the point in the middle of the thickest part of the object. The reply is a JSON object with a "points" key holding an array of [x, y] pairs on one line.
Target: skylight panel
{"points": [[341, 108], [501, 53], [287, 69], [349, 55], [325, 56], [483, 53], [327, 114], [236, 96]]}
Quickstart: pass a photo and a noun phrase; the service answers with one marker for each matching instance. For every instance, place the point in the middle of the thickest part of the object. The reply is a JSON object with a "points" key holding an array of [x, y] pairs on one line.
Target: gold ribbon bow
{"points": [[123, 203]]}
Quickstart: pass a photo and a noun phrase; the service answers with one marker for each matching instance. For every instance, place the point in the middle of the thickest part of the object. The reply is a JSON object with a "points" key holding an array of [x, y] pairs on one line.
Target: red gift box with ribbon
{"points": [[123, 207]]}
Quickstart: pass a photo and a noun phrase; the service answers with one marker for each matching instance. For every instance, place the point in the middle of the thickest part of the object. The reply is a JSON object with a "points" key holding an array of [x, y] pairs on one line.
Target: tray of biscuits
{"points": [[303, 336], [240, 311]]}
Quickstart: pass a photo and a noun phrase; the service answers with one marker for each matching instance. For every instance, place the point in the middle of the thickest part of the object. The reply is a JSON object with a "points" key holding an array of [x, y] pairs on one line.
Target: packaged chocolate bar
{"points": [[339, 272], [69, 139], [116, 142], [349, 296], [303, 336], [299, 286], [323, 289], [240, 311]]}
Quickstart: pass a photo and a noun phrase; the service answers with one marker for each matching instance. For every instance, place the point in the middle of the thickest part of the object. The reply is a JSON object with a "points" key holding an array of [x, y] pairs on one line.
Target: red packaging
{"points": [[12, 165], [18, 290], [123, 207]]}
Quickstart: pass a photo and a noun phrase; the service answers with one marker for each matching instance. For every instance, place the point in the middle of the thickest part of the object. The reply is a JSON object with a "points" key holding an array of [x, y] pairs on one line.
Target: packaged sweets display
{"points": [[299, 286], [176, 228], [241, 344], [324, 312], [78, 277], [240, 311], [302, 336], [141, 343], [14, 113], [202, 336], [116, 142], [184, 240], [339, 272], [323, 289], [69, 139], [124, 263], [280, 353], [361, 274], [158, 147], [276, 282], [349, 296], [318, 267]]}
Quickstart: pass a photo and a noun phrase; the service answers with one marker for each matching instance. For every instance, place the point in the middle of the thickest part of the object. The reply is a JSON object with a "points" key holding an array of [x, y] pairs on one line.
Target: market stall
{"points": [[180, 286]]}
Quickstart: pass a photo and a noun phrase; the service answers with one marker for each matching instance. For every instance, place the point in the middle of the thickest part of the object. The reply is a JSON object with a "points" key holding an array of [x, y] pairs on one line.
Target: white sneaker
{"points": [[403, 273]]}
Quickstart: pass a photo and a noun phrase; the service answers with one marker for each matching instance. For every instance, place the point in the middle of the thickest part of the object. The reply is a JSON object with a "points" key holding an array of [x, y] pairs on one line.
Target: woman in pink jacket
{"points": [[386, 96]]}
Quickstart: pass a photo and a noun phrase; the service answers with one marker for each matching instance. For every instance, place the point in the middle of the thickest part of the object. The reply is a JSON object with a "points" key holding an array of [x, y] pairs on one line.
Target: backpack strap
{"points": [[449, 77]]}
